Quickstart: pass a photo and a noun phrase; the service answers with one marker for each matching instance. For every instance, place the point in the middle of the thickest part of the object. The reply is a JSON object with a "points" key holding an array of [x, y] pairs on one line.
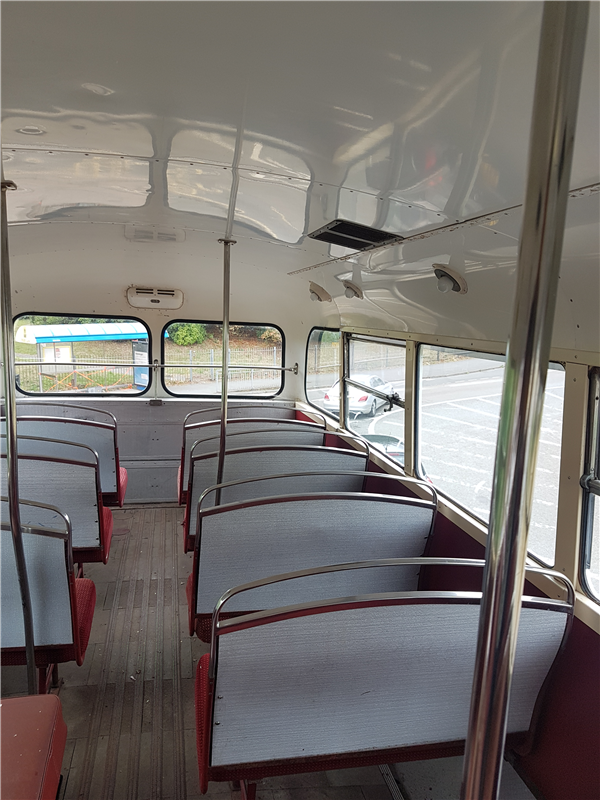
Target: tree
{"points": [[187, 333]]}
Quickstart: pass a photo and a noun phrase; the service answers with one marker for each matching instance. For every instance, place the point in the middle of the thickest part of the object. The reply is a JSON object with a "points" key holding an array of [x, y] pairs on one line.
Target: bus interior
{"points": [[276, 458]]}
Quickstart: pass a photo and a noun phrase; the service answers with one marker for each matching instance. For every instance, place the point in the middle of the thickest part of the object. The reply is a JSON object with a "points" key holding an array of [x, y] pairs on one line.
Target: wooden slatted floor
{"points": [[130, 708]]}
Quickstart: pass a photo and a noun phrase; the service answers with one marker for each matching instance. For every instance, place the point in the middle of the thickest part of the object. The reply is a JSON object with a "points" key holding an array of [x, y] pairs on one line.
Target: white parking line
{"points": [[464, 467], [454, 404], [467, 383], [463, 422], [459, 400]]}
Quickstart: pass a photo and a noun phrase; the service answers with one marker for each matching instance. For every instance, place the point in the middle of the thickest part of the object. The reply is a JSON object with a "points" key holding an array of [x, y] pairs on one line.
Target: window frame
{"points": [[121, 395], [310, 333], [218, 366], [590, 497], [348, 337]]}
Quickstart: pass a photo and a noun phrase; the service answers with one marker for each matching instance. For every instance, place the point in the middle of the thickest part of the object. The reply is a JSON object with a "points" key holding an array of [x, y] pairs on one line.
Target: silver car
{"points": [[359, 402]]}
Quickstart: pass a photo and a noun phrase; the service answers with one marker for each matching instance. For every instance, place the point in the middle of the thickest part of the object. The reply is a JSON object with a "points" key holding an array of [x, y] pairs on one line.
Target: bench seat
{"points": [[62, 606], [355, 680], [247, 463], [66, 474], [204, 437], [85, 603], [241, 542], [59, 423]]}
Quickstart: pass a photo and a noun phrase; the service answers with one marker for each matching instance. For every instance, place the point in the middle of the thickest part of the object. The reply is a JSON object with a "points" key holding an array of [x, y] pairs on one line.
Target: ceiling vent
{"points": [[152, 233], [350, 234], [146, 297]]}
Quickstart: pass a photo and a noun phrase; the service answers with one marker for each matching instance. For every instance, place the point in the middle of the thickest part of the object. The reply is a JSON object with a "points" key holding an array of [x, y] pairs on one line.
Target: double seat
{"points": [[71, 462], [248, 540], [93, 427], [62, 605], [355, 680], [324, 650], [68, 471], [193, 430]]}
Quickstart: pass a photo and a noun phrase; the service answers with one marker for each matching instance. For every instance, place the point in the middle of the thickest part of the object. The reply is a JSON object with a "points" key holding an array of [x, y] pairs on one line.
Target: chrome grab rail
{"points": [[90, 423], [355, 473], [308, 427], [23, 403], [392, 399], [383, 562], [155, 365], [50, 532], [245, 404]]}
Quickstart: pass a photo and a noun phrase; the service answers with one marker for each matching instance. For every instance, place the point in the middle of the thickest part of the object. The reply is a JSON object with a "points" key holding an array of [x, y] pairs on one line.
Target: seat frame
{"points": [[199, 622], [82, 555], [183, 473], [206, 676], [107, 420], [47, 657], [191, 513]]}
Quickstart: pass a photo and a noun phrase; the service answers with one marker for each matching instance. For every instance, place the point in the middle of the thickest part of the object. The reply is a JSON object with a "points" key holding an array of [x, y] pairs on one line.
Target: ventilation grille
{"points": [[350, 234], [152, 233], [140, 292], [146, 297]]}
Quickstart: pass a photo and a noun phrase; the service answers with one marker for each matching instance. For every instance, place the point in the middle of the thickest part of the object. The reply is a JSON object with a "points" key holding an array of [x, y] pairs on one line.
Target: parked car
{"points": [[391, 445], [359, 402]]}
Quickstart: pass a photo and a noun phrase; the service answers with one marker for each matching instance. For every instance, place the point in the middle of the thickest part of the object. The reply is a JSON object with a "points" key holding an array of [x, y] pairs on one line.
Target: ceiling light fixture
{"points": [[318, 293], [352, 290], [449, 280], [32, 130]]}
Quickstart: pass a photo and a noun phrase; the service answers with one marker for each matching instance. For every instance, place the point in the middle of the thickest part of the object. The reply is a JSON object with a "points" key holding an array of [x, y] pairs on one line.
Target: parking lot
{"points": [[459, 409]]}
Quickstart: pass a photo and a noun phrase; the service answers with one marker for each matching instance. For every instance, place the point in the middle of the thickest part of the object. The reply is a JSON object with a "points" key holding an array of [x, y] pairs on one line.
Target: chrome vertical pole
{"points": [[344, 373], [12, 473], [554, 116], [225, 360]]}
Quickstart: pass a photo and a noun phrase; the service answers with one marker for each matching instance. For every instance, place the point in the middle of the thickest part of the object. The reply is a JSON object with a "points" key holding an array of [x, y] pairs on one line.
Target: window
{"points": [[590, 573], [195, 349], [459, 407], [81, 355], [378, 365], [322, 369]]}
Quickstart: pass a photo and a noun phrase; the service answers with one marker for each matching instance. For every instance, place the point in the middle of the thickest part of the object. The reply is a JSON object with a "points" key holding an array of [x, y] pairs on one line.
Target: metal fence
{"points": [[210, 358], [56, 377], [210, 372]]}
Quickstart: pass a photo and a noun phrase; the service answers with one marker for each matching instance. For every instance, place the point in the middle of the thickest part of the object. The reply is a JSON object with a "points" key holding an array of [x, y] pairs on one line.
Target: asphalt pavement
{"points": [[459, 410]]}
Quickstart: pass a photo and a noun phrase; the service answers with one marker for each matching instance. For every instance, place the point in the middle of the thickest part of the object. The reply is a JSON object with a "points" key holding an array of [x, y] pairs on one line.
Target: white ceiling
{"points": [[270, 119]]}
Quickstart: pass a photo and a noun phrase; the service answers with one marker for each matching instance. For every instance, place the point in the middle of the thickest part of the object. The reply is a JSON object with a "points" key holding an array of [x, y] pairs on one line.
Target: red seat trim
{"points": [[106, 531], [85, 598], [33, 743], [84, 602], [189, 542], [122, 485], [179, 486], [201, 624]]}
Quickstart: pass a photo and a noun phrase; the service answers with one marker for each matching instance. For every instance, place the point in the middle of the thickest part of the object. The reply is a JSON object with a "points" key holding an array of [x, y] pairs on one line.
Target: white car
{"points": [[359, 402]]}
